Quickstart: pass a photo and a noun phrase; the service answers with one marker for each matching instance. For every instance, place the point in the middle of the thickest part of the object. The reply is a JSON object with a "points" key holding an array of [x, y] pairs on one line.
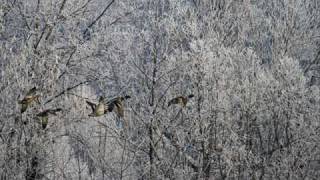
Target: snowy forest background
{"points": [[253, 66]]}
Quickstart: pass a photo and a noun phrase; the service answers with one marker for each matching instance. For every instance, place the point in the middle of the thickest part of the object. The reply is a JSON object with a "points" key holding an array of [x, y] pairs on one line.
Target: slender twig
{"points": [[62, 6], [81, 97], [24, 18], [58, 16], [125, 15], [95, 21], [316, 59], [144, 73], [164, 93], [68, 62], [41, 36], [82, 7], [66, 90]]}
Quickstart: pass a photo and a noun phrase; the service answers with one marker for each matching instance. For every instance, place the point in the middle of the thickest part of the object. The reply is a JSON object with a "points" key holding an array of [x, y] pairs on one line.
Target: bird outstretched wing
{"points": [[32, 91], [112, 101], [120, 110], [92, 105], [173, 101]]}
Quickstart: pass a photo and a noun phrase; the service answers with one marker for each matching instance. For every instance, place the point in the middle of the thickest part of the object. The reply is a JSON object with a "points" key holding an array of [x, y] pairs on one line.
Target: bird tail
{"points": [[91, 115], [37, 99]]}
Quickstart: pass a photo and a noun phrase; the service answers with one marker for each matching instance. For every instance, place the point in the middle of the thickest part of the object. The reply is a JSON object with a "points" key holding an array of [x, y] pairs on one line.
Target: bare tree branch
{"points": [[95, 21]]}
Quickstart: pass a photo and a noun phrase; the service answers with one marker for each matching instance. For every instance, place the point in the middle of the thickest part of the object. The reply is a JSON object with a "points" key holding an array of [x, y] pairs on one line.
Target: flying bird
{"points": [[29, 99], [116, 105], [44, 116], [182, 100], [97, 109]]}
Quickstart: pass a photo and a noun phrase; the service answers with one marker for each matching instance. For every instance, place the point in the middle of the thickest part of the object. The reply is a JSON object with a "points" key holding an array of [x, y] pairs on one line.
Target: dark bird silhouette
{"points": [[32, 171], [314, 80], [116, 105], [182, 100], [29, 99], [44, 116], [97, 109]]}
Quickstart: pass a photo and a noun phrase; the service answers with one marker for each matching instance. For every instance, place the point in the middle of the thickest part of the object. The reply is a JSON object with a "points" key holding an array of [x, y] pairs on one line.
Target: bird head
{"points": [[101, 99], [191, 96], [58, 109]]}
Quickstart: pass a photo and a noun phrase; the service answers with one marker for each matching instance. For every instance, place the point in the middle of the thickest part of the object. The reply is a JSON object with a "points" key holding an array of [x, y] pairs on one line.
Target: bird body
{"points": [[28, 99], [100, 109], [182, 100], [44, 121], [44, 116]]}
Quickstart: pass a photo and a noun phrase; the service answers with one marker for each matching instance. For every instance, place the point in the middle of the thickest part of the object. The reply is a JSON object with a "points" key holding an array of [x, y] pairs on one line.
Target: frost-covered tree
{"points": [[251, 66]]}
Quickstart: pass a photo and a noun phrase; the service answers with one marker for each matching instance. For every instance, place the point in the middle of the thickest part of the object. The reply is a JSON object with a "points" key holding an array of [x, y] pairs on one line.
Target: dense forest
{"points": [[159, 89]]}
